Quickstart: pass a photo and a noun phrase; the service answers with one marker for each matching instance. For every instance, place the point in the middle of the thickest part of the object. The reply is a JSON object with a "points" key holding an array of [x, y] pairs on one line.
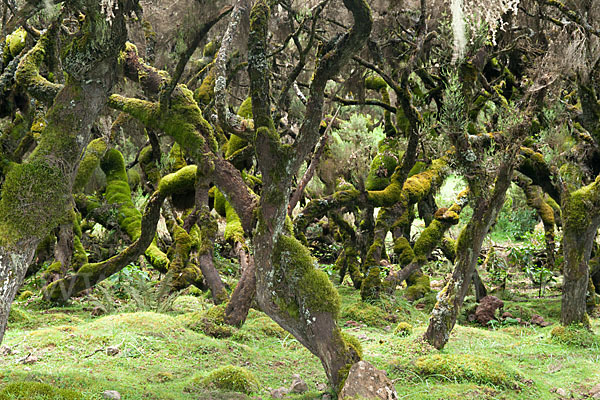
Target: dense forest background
{"points": [[324, 182]]}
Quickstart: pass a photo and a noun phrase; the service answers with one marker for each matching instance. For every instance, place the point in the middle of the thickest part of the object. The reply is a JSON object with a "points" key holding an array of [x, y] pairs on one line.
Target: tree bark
{"points": [[13, 266], [581, 219]]}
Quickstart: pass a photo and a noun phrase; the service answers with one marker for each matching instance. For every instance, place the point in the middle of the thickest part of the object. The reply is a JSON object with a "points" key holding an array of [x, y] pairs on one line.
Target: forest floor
{"points": [[154, 355]]}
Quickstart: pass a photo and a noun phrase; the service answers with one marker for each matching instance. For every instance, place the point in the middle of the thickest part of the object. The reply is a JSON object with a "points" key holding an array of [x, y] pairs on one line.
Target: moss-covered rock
{"points": [[467, 368], [37, 391], [231, 378], [403, 329]]}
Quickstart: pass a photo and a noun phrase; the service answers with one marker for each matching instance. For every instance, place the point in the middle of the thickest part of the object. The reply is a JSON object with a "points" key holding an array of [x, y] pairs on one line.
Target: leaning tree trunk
{"points": [[30, 206], [450, 299], [581, 218]]}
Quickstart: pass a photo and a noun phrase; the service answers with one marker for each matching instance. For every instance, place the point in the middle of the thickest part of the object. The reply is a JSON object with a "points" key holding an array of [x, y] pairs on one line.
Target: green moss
{"points": [[353, 343], [118, 193], [133, 178], [206, 92], [91, 160], [219, 202], [306, 288], [382, 168], [37, 391], [375, 83], [18, 316], [27, 294], [366, 313], [233, 230], [148, 165], [403, 250], [177, 157], [187, 304], [15, 42], [210, 322], [575, 335], [181, 182], [265, 326], [371, 284], [467, 368], [231, 378], [403, 329], [418, 286]]}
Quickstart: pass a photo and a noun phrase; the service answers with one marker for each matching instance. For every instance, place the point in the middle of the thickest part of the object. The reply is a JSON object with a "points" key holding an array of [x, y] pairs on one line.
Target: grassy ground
{"points": [[160, 359]]}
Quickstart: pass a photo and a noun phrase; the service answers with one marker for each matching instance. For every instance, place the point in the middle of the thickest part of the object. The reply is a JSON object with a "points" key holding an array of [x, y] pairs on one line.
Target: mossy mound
{"points": [[265, 326], [403, 329], [36, 391], [366, 313], [230, 378], [136, 322], [467, 368], [210, 322], [187, 304], [575, 335], [18, 316]]}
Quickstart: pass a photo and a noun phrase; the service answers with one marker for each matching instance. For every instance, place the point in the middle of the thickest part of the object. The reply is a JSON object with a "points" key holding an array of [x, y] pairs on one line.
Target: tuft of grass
{"points": [[228, 378], [36, 391]]}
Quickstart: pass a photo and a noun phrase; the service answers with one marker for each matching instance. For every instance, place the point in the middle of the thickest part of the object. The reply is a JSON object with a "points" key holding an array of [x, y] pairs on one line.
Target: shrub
{"points": [[403, 329], [210, 322]]}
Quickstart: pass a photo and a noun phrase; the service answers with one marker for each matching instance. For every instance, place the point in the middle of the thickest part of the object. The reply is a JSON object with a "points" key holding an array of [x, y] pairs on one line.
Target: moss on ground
{"points": [[37, 391], [230, 378], [467, 368]]}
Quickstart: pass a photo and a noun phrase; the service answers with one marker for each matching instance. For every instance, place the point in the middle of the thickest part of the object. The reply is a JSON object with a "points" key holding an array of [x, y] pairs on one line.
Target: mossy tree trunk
{"points": [[36, 194], [289, 288], [581, 219], [487, 191]]}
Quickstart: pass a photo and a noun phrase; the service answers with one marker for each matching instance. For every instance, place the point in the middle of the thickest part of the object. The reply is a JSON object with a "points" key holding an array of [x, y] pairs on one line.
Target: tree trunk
{"points": [[245, 291], [13, 266], [581, 218]]}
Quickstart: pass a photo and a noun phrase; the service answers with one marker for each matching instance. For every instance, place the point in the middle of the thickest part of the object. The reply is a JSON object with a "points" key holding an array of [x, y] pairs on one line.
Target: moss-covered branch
{"points": [[28, 73]]}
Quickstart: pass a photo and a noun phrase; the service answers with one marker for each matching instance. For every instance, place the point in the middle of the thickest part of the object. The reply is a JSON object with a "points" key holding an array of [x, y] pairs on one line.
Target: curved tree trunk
{"points": [[28, 213]]}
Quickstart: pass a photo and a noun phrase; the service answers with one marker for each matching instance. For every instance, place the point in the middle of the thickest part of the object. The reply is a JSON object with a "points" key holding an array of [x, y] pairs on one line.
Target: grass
{"points": [[160, 359]]}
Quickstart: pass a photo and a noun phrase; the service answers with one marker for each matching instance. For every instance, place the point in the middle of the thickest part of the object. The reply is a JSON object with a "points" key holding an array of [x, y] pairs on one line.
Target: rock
{"points": [[279, 393], [387, 328], [97, 311], [486, 310], [506, 314], [321, 387], [26, 369], [562, 392], [111, 395], [366, 382], [595, 392], [298, 385], [112, 351], [326, 396], [30, 359], [5, 351], [537, 319], [362, 336]]}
